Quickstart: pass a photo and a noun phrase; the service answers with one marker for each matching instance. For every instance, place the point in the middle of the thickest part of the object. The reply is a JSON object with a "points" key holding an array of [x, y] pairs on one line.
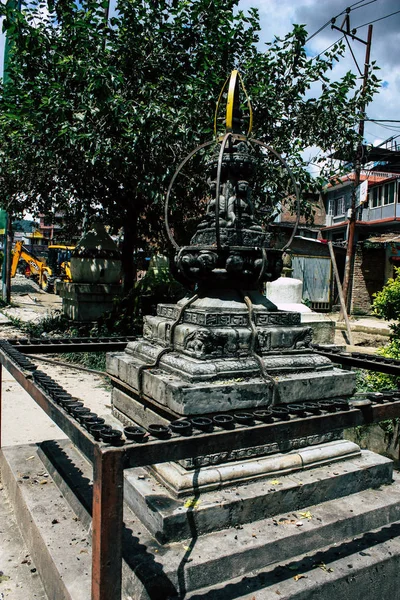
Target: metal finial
{"points": [[233, 111]]}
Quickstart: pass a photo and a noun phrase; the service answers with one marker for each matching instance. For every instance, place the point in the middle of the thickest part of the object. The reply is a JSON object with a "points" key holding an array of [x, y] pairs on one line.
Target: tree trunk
{"points": [[129, 247]]}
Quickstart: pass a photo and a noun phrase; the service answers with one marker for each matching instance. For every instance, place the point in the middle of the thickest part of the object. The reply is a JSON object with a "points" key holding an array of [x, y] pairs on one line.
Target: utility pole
{"points": [[345, 29]]}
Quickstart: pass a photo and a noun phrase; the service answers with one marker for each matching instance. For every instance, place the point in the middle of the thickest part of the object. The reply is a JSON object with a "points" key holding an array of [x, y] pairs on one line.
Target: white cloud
{"points": [[278, 16]]}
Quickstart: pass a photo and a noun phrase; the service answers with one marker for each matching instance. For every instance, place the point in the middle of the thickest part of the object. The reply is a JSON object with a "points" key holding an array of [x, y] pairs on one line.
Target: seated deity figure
{"points": [[240, 206], [211, 207]]}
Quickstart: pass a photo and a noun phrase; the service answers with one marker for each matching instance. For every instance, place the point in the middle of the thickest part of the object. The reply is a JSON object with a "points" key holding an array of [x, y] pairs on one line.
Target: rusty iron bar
{"points": [[61, 345], [180, 447], [371, 362], [107, 506], [76, 433], [107, 524]]}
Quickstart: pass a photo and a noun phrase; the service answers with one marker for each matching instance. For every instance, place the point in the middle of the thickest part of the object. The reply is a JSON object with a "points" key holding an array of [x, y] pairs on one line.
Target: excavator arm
{"points": [[15, 259], [35, 264]]}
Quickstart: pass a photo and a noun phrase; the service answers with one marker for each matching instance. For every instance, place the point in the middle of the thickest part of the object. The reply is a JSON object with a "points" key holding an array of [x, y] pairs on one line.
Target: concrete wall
{"points": [[368, 277]]}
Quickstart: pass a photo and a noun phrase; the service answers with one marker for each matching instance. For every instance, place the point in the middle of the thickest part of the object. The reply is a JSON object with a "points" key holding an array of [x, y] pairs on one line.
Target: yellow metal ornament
{"points": [[234, 83]]}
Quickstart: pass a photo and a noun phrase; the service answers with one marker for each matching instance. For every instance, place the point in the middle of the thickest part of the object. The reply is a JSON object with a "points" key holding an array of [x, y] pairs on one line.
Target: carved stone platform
{"points": [[225, 352], [217, 355]]}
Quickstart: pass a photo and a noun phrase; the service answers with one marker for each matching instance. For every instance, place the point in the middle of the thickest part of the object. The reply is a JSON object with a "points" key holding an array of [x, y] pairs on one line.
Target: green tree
{"points": [[96, 115], [386, 304]]}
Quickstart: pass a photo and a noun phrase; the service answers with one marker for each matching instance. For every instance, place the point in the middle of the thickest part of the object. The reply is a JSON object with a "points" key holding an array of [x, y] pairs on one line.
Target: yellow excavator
{"points": [[44, 270]]}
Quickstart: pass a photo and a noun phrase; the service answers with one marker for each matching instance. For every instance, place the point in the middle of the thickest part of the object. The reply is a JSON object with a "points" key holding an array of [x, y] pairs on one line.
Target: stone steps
{"points": [[19, 579], [251, 554], [362, 568], [166, 516]]}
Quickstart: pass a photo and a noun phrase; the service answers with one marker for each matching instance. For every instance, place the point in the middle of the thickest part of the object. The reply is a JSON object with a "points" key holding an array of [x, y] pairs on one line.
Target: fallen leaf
{"points": [[306, 515], [297, 577], [323, 566], [192, 503], [30, 458], [43, 481]]}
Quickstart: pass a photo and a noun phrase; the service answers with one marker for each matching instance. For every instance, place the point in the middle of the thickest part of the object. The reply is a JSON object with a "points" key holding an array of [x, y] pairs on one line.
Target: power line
{"points": [[328, 48], [376, 20], [395, 129], [342, 13]]}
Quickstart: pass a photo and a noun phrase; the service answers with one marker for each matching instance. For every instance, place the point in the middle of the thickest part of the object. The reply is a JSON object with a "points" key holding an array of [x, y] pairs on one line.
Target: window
{"points": [[388, 193], [340, 206], [336, 207], [375, 197]]}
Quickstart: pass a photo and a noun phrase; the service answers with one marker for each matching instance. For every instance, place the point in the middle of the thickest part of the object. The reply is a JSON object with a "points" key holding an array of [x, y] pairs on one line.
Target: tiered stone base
{"points": [[87, 301], [332, 531]]}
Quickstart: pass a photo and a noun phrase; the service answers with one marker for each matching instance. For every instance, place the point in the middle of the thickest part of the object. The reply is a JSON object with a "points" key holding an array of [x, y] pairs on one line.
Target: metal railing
{"points": [[109, 462]]}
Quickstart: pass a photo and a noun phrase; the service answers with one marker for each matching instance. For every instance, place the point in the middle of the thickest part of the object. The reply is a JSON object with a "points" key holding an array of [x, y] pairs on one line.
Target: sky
{"points": [[278, 16]]}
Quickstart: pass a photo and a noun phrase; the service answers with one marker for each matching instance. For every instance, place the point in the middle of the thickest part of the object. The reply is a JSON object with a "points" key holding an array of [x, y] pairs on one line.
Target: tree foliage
{"points": [[96, 115], [386, 304]]}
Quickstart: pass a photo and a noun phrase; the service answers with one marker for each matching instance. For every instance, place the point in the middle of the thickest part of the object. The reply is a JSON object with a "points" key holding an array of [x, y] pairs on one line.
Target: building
{"points": [[377, 232], [51, 226]]}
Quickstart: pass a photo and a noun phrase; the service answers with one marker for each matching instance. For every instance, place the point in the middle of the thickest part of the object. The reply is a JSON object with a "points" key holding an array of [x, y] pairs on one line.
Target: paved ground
{"points": [[24, 422]]}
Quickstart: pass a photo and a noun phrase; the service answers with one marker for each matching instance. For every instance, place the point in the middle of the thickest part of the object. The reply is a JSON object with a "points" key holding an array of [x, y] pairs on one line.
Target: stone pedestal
{"points": [[215, 355], [87, 301], [227, 352]]}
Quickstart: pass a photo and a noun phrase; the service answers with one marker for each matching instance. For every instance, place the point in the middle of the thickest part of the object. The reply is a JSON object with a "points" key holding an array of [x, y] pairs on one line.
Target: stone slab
{"points": [[255, 553], [362, 568], [54, 537], [233, 390], [20, 579], [170, 518]]}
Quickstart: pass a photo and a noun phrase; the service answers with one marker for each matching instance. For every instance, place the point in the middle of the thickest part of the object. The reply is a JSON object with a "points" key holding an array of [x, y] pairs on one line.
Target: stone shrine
{"points": [[225, 356], [225, 347], [280, 506], [96, 277]]}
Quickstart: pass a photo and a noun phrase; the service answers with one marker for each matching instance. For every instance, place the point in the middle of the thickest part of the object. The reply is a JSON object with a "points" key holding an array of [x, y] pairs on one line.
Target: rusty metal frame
{"points": [[371, 362], [109, 463]]}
